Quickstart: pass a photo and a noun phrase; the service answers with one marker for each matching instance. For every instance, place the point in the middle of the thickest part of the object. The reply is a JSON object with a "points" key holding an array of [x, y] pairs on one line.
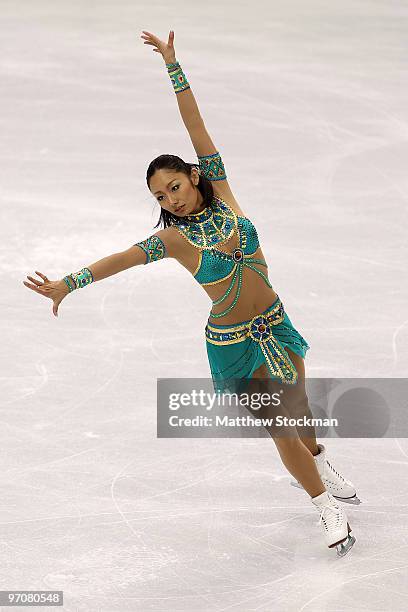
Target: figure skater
{"points": [[249, 336]]}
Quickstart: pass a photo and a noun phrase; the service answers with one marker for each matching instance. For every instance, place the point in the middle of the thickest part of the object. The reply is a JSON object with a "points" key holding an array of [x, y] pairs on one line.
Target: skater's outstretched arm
{"points": [[159, 245], [211, 164]]}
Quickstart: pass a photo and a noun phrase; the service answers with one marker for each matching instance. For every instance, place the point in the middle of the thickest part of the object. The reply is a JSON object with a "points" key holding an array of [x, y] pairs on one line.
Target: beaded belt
{"points": [[259, 329]]}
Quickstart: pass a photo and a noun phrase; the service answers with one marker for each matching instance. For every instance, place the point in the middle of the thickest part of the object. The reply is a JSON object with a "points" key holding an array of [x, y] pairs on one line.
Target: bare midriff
{"points": [[255, 296]]}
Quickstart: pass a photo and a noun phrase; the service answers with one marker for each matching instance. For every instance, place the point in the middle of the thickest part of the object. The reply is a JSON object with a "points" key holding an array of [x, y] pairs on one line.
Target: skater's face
{"points": [[176, 192]]}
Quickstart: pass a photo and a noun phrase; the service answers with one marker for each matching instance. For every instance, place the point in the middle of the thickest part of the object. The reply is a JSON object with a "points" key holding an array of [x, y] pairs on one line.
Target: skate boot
{"points": [[336, 485], [335, 524]]}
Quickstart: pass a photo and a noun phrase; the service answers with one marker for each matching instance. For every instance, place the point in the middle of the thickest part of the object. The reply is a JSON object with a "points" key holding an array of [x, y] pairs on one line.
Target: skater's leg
{"points": [[299, 461], [296, 403], [295, 456], [300, 403], [294, 398]]}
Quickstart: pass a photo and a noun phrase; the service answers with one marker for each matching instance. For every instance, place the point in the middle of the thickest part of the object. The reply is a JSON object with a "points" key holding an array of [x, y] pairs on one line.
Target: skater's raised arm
{"points": [[210, 161], [155, 247], [187, 103]]}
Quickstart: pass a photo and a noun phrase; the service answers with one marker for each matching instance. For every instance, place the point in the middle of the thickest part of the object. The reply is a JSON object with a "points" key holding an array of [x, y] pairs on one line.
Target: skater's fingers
{"points": [[33, 287], [42, 275], [152, 36], [153, 44], [35, 281], [152, 39]]}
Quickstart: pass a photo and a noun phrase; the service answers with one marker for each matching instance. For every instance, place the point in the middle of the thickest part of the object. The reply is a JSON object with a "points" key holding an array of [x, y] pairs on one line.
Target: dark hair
{"points": [[173, 162]]}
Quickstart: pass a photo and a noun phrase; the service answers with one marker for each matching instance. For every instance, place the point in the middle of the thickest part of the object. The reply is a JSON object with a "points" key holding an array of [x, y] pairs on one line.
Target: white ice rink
{"points": [[307, 102]]}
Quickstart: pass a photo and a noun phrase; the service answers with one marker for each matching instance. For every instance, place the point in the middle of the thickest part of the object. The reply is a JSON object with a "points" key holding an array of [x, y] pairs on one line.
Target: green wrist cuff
{"points": [[77, 280], [178, 78]]}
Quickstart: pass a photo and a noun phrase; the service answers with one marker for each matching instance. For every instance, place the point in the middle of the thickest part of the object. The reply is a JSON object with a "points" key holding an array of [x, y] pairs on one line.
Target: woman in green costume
{"points": [[249, 337]]}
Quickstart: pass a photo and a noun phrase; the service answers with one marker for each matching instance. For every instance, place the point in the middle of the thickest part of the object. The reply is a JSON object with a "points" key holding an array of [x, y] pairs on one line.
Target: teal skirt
{"points": [[236, 351]]}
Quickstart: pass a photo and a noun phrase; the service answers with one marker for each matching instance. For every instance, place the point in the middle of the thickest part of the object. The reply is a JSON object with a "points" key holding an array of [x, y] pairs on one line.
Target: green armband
{"points": [[212, 167], [178, 78], [153, 247]]}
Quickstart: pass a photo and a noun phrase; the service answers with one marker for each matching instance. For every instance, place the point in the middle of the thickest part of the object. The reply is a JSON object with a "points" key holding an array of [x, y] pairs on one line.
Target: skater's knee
{"points": [[287, 444], [297, 405]]}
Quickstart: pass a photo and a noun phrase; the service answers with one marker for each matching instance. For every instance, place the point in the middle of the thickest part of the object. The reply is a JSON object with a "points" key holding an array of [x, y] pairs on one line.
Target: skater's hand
{"points": [[165, 48], [55, 290]]}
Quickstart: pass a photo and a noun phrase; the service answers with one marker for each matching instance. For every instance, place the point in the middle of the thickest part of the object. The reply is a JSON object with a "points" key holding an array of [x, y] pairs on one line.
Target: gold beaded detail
{"points": [[211, 227]]}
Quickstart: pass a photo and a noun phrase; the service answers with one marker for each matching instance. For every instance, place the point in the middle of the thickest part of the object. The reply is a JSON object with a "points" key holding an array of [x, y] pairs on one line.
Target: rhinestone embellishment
{"points": [[259, 329], [237, 255], [212, 226]]}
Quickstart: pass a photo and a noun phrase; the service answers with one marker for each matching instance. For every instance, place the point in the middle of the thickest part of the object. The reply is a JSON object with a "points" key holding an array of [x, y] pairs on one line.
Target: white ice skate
{"points": [[335, 524], [336, 485]]}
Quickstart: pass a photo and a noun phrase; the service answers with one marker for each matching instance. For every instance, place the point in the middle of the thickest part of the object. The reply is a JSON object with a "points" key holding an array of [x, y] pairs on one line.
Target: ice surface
{"points": [[307, 102]]}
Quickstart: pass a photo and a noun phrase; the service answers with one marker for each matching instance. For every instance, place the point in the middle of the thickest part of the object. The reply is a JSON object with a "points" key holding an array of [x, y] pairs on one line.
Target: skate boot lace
{"points": [[330, 519], [335, 471]]}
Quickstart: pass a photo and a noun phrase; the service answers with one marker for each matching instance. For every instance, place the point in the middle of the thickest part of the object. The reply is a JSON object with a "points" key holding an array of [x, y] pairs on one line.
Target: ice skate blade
{"points": [[344, 547], [348, 500]]}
